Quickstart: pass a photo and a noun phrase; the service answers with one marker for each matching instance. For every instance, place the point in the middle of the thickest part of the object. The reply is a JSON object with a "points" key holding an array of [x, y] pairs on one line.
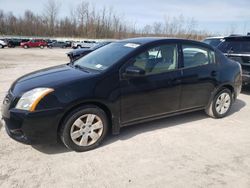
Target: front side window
{"points": [[158, 59], [245, 46], [197, 56], [235, 46], [230, 46]]}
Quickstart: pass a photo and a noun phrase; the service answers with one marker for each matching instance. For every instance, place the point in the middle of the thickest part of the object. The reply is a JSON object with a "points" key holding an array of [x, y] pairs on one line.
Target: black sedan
{"points": [[120, 84], [78, 53]]}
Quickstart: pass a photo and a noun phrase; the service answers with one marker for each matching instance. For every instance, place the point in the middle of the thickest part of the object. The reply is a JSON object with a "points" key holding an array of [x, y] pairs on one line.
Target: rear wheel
{"points": [[25, 46], [1, 46], [84, 128], [41, 46], [221, 104]]}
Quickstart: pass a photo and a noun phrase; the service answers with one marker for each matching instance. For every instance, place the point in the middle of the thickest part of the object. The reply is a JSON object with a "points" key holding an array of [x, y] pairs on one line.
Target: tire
{"points": [[42, 47], [79, 47], [50, 47], [220, 104], [79, 135], [1, 46], [25, 47]]}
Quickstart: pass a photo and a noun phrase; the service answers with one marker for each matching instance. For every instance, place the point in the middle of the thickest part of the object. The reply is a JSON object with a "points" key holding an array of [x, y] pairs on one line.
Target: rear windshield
{"points": [[104, 57]]}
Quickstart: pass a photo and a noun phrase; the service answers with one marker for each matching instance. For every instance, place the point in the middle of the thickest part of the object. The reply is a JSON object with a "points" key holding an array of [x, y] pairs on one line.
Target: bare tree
{"points": [[51, 10], [85, 21]]}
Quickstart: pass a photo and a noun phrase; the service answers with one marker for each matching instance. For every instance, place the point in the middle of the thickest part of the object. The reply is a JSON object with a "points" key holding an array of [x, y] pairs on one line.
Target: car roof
{"points": [[146, 40], [242, 38]]}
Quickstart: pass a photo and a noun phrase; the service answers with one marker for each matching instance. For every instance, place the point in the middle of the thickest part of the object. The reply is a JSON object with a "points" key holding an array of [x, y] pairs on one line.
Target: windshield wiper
{"points": [[81, 68]]}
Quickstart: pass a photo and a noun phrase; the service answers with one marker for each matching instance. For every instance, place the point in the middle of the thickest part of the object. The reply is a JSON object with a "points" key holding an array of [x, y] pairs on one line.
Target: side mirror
{"points": [[133, 71]]}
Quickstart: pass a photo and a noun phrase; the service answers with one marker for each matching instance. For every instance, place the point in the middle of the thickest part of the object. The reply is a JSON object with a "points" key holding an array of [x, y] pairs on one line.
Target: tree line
{"points": [[85, 21]]}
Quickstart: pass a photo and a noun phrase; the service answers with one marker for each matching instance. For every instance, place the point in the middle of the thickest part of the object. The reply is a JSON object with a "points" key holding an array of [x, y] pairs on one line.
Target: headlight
{"points": [[30, 99]]}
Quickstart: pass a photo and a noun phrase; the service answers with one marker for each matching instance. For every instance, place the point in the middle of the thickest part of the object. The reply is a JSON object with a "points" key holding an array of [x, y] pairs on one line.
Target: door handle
{"points": [[214, 73]]}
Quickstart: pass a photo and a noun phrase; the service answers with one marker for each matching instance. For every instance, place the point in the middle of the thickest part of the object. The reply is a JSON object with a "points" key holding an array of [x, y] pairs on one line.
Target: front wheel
{"points": [[1, 46], [221, 104], [84, 128], [41, 46]]}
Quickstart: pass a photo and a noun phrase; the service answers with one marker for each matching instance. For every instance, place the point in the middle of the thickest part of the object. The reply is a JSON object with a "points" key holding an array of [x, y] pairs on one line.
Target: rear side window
{"points": [[196, 56]]}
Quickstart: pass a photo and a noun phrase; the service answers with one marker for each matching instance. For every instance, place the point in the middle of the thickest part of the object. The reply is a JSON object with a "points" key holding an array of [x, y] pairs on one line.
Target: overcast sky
{"points": [[217, 16]]}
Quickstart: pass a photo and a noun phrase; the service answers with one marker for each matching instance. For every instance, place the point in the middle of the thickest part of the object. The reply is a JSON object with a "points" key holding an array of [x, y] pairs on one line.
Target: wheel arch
{"points": [[219, 88], [230, 87], [100, 105]]}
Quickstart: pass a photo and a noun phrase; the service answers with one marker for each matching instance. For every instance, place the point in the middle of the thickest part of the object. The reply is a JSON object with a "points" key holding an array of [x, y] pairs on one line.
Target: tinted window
{"points": [[196, 56], [234, 46], [106, 56], [158, 59], [213, 42]]}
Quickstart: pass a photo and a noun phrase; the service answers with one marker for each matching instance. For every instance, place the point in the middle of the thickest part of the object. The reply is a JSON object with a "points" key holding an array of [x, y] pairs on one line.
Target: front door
{"points": [[158, 91]]}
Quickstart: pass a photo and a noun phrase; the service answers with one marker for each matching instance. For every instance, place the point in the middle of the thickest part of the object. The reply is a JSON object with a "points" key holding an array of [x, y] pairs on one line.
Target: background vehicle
{"points": [[49, 41], [69, 43], [213, 41], [83, 44], [59, 44], [34, 43], [2, 43], [238, 48], [78, 53], [14, 42], [120, 84]]}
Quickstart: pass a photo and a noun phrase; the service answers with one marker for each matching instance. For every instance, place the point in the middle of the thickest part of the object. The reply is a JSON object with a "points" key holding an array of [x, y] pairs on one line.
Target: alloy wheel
{"points": [[223, 103], [86, 130]]}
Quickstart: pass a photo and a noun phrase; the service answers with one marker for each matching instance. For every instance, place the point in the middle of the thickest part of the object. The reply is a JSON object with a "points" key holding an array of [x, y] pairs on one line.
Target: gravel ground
{"points": [[190, 150]]}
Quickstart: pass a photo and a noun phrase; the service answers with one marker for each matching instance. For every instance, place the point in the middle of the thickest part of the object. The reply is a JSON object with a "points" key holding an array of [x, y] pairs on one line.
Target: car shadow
{"points": [[131, 131], [52, 149], [179, 120]]}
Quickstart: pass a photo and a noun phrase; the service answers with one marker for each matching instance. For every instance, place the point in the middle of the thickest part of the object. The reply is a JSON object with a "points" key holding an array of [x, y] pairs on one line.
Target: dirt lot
{"points": [[190, 150]]}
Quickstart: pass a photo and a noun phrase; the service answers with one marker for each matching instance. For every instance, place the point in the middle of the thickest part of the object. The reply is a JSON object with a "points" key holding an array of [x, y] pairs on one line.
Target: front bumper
{"points": [[32, 127]]}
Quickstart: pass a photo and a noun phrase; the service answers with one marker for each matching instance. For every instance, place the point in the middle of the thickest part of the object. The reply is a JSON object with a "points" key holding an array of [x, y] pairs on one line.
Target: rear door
{"points": [[199, 76]]}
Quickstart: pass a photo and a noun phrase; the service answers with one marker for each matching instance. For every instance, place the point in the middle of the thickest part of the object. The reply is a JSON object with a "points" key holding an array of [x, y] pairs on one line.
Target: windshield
{"points": [[99, 45], [104, 57], [213, 42]]}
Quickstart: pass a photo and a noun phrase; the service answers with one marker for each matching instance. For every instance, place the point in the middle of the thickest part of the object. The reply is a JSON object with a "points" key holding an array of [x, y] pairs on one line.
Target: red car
{"points": [[34, 43]]}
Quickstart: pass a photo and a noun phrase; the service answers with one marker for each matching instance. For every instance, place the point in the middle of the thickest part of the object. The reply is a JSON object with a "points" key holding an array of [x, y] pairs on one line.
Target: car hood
{"points": [[51, 77]]}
